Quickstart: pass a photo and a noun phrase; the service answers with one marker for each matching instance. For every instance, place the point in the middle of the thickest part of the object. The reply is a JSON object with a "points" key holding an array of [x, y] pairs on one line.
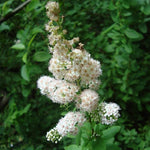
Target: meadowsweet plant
{"points": [[75, 81]]}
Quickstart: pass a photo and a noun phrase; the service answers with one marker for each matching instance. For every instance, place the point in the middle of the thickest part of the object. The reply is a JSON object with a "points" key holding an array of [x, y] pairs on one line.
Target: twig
{"points": [[11, 14]]}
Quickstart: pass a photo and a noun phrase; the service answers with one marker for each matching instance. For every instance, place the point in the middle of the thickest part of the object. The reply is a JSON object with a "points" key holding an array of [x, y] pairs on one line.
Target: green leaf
{"points": [[25, 110], [5, 8], [112, 147], [78, 137], [24, 72], [143, 27], [73, 147], [25, 92], [24, 58], [64, 113], [146, 10], [127, 14], [84, 139], [123, 87], [128, 48], [98, 128], [30, 42], [110, 48], [24, 34], [99, 144], [132, 34], [4, 26], [110, 132], [37, 30], [18, 46], [120, 60], [33, 5], [41, 56], [87, 130]]}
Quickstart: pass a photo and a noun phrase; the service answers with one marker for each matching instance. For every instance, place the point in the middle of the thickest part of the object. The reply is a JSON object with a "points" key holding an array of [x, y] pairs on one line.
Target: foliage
{"points": [[115, 32], [103, 138], [27, 116]]}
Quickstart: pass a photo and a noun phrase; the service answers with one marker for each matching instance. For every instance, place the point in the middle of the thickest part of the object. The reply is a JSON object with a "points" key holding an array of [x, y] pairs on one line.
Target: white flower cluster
{"points": [[43, 84], [53, 136], [76, 76], [70, 123], [109, 112], [76, 65], [88, 100], [70, 63], [66, 125], [53, 10], [59, 91]]}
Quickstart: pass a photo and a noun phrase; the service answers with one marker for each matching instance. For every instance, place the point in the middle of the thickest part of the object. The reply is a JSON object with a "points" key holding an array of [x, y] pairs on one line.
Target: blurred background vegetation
{"points": [[116, 32]]}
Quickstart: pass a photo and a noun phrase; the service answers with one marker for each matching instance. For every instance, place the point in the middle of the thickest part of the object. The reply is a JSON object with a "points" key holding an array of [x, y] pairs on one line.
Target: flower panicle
{"points": [[76, 79]]}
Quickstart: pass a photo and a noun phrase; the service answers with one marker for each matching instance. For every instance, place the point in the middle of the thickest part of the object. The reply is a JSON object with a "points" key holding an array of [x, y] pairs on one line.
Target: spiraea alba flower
{"points": [[64, 93], [53, 10], [43, 84], [53, 136], [109, 112], [67, 125], [76, 76], [70, 123], [59, 91], [88, 100]]}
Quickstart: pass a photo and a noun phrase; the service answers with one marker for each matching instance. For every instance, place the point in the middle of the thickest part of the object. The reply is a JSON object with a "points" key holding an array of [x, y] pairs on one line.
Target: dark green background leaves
{"points": [[115, 32]]}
